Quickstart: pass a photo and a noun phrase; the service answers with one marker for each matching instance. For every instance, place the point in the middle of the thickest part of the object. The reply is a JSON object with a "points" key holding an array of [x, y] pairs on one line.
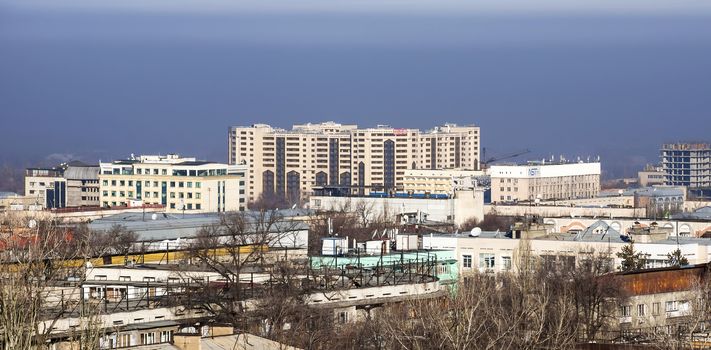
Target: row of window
{"points": [[188, 184], [669, 306], [486, 261]]}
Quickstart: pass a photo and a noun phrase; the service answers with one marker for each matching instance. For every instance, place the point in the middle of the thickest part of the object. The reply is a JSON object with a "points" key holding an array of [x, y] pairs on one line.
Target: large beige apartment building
{"points": [[179, 184], [292, 162], [511, 183]]}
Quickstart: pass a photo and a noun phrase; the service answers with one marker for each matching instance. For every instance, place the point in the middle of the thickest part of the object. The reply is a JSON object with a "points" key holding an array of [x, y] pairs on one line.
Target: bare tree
{"points": [[36, 259]]}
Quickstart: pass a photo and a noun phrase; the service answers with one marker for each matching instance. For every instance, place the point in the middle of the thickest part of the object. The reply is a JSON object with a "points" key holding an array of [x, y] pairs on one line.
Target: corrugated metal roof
{"points": [[82, 173]]}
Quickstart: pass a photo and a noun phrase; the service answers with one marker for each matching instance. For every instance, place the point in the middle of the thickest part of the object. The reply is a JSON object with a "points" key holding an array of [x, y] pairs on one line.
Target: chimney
{"points": [[187, 341]]}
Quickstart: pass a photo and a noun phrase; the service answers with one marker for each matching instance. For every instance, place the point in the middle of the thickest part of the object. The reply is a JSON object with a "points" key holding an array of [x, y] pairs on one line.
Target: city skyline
{"points": [[574, 80]]}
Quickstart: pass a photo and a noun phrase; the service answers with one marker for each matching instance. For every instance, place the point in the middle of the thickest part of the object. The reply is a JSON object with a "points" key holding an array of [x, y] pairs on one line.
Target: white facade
{"points": [[497, 253], [464, 205], [511, 183]]}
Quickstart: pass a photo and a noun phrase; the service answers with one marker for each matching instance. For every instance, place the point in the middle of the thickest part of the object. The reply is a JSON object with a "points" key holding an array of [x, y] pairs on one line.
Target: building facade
{"points": [[513, 183], [440, 181], [454, 209], [651, 175], [47, 186], [82, 185], [688, 164], [291, 162], [179, 184]]}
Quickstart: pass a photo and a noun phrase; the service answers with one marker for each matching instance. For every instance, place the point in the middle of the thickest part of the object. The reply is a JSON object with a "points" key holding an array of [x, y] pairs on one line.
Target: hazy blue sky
{"points": [[90, 79]]}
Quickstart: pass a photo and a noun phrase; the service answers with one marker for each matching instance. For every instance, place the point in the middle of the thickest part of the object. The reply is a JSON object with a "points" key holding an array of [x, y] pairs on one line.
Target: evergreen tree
{"points": [[631, 260], [675, 258]]}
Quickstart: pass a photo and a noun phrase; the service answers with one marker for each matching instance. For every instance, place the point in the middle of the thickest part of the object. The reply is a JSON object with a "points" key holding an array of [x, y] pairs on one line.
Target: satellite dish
{"points": [[154, 216], [476, 232], [32, 223]]}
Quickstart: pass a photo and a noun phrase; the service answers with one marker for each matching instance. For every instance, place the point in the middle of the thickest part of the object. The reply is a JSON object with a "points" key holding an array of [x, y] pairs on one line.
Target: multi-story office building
{"points": [[291, 162], [510, 183], [47, 186], [72, 184], [82, 185], [179, 184], [688, 164]]}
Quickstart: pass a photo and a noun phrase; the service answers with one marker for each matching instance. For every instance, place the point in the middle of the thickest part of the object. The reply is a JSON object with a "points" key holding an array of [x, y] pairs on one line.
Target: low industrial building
{"points": [[444, 181], [499, 251], [454, 209]]}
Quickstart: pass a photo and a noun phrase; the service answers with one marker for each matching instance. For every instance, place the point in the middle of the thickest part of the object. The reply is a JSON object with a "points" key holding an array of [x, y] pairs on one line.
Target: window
{"points": [[172, 184], [467, 261], [147, 338], [124, 278], [671, 306], [105, 183], [641, 310], [198, 206], [123, 340], [506, 262], [625, 311], [197, 195], [342, 317], [166, 336], [190, 184], [655, 309], [486, 260], [197, 184]]}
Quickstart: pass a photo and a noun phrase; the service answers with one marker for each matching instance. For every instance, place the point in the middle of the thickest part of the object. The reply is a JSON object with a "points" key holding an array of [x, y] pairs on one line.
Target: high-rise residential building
{"points": [[179, 184], [292, 162], [544, 181], [688, 164]]}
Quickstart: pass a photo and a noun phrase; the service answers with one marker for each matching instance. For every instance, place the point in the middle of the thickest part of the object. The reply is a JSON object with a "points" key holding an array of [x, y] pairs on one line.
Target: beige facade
{"points": [[82, 186], [39, 181], [439, 181], [179, 184], [292, 162], [512, 183], [650, 176]]}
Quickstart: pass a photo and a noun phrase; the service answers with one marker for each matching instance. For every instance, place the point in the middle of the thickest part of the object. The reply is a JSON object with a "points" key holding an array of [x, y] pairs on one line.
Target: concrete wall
{"points": [[464, 206], [563, 211], [685, 228]]}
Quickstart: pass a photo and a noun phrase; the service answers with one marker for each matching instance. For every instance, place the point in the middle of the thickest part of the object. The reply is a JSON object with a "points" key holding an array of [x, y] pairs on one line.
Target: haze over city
{"points": [[89, 81]]}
